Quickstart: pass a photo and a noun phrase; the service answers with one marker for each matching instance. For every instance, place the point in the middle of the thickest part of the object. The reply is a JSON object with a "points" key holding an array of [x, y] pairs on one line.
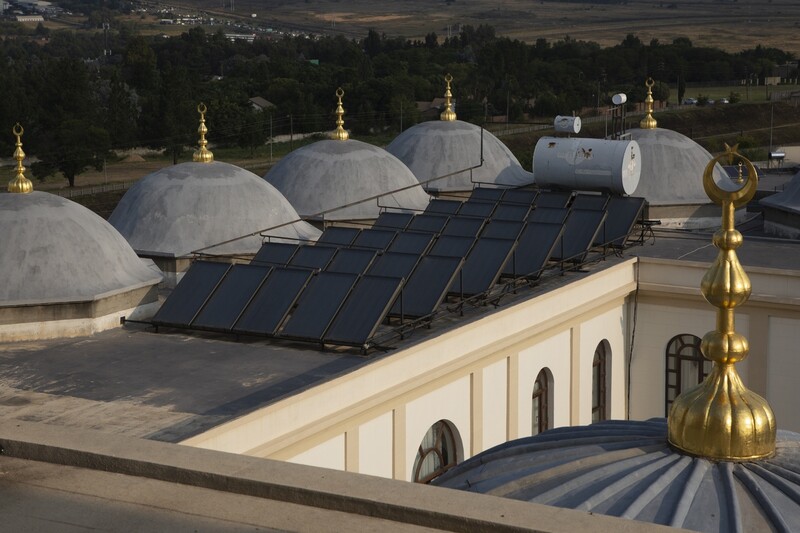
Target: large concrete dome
{"points": [[333, 173], [192, 206], [437, 148], [627, 469], [55, 251], [672, 168]]}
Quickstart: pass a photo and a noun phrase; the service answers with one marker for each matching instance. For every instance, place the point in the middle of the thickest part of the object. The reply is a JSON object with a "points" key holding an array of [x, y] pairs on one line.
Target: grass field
{"points": [[753, 93]]}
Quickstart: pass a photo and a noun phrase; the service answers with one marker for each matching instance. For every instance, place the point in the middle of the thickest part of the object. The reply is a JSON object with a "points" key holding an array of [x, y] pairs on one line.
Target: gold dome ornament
{"points": [[20, 184], [648, 122], [202, 154], [340, 134], [720, 418], [448, 114]]}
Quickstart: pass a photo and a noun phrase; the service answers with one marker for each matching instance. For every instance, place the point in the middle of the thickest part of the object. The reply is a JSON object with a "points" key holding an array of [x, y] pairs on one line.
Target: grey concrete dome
{"points": [[332, 173], [672, 168], [627, 469], [437, 148], [56, 251], [191, 206], [788, 199]]}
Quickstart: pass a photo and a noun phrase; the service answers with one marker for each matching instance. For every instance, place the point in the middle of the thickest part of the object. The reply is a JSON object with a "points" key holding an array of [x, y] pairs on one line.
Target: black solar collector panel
{"points": [[520, 196], [452, 246], [443, 207], [534, 248], [623, 212], [411, 242], [275, 253], [503, 229], [363, 311], [550, 215], [191, 294], [427, 286], [394, 264], [392, 220], [273, 301], [487, 194], [231, 297], [376, 239], [511, 211], [351, 260], [428, 223], [580, 233], [318, 305], [338, 235], [483, 266], [464, 226], [590, 201], [553, 199], [313, 256], [474, 208]]}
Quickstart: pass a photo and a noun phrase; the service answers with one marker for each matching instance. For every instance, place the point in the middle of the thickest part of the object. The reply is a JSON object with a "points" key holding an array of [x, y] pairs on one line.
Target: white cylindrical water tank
{"points": [[567, 124], [587, 164]]}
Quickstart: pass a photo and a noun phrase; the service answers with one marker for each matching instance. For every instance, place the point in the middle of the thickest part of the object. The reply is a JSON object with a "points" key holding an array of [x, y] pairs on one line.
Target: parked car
{"points": [[722, 101], [690, 101]]}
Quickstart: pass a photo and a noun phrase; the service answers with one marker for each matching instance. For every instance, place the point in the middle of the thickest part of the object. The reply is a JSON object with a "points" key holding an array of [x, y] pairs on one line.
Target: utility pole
{"points": [[270, 139], [291, 132]]}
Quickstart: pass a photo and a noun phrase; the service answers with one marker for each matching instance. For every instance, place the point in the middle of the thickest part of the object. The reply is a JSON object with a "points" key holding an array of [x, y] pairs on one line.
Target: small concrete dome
{"points": [[191, 206], [627, 469], [672, 168], [440, 147], [55, 251], [333, 173]]}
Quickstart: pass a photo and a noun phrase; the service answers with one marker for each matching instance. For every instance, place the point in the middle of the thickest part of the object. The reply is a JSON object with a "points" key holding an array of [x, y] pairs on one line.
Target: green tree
{"points": [[78, 145]]}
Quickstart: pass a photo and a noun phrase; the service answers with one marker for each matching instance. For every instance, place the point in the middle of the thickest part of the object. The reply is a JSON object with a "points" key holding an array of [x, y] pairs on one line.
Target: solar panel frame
{"points": [[275, 253], [351, 260], [535, 247], [338, 235], [316, 257], [231, 297], [362, 312], [271, 303], [318, 305], [427, 287], [374, 238], [484, 265], [393, 220], [191, 294], [412, 242]]}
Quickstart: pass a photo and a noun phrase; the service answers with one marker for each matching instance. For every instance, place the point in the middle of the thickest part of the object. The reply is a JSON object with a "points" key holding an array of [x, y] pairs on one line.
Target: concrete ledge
{"points": [[356, 494]]}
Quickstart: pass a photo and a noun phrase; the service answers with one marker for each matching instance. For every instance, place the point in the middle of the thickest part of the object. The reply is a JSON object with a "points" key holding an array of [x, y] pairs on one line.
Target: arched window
{"points": [[437, 453], [686, 366], [541, 403], [599, 382]]}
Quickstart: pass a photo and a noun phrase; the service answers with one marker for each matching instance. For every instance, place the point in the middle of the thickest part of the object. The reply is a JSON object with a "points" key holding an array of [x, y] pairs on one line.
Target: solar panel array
{"points": [[401, 270]]}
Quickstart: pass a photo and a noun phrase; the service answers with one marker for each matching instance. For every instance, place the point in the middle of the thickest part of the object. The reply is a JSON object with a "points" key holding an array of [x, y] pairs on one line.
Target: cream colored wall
{"points": [[477, 375], [783, 375], [609, 327]]}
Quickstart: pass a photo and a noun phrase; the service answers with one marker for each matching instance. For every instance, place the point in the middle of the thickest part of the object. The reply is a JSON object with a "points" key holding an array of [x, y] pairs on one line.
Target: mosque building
{"points": [[273, 358]]}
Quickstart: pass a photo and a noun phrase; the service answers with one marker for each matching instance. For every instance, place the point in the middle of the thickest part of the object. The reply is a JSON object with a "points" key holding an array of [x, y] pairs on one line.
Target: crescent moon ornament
{"points": [[738, 197]]}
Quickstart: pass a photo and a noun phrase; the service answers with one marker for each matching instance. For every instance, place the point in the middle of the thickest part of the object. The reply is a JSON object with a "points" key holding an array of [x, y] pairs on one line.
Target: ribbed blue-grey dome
{"points": [[627, 469], [439, 147]]}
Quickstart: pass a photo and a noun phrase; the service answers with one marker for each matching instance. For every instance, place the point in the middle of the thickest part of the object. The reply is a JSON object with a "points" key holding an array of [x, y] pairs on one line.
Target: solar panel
{"points": [[443, 207], [623, 212], [473, 208], [484, 265], [363, 311], [590, 201], [505, 211], [376, 239], [580, 233], [186, 300], [318, 305], [338, 235], [428, 223], [272, 302], [394, 265], [534, 248], [464, 226], [550, 215], [553, 199], [411, 242], [452, 246], [427, 286], [520, 196], [390, 219], [486, 193], [275, 253], [231, 297], [313, 256], [351, 260], [503, 229]]}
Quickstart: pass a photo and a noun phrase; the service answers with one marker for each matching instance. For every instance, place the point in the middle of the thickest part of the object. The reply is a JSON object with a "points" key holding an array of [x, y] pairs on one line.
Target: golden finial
{"points": [[20, 184], [739, 178], [648, 122], [448, 114], [720, 418], [339, 134], [203, 154]]}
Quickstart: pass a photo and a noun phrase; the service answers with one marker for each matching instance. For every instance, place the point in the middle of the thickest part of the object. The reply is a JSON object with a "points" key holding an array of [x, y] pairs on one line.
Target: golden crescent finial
{"points": [[448, 114], [20, 184], [648, 122], [720, 418], [203, 154], [339, 134]]}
